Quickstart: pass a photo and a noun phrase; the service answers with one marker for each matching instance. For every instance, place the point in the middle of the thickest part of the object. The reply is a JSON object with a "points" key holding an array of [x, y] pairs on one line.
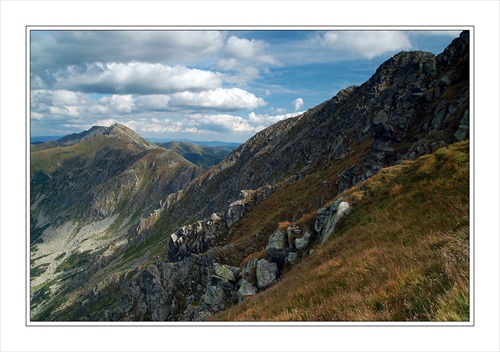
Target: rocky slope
{"points": [[230, 232], [88, 191]]}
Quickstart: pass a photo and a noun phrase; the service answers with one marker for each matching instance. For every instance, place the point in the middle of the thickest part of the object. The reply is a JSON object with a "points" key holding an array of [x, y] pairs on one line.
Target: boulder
{"points": [[234, 212], [327, 218], [291, 259], [302, 242], [246, 289], [292, 233], [213, 297], [249, 271], [277, 246], [227, 272], [266, 273], [214, 217]]}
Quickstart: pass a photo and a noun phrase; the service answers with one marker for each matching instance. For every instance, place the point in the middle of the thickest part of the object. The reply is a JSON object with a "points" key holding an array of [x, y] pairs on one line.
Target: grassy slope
{"points": [[402, 254], [45, 161]]}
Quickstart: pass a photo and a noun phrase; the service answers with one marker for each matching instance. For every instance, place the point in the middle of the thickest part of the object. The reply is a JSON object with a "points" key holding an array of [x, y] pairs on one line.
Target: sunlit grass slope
{"points": [[401, 255]]}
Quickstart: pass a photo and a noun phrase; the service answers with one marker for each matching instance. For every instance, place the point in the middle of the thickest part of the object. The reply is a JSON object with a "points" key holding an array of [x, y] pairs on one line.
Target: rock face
{"points": [[414, 103]]}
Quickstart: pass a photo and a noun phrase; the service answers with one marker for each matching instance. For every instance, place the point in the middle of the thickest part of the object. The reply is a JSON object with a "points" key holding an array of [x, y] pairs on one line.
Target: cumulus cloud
{"points": [[51, 49], [135, 78], [249, 49], [367, 44], [298, 103], [118, 103], [245, 58], [264, 120], [220, 98], [220, 123]]}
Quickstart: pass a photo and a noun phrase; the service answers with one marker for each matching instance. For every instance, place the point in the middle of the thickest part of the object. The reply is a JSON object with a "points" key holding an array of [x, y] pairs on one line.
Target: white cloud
{"points": [[136, 77], [220, 98], [118, 103], [367, 44], [157, 102], [221, 123], [249, 49], [246, 58], [298, 103], [51, 49], [264, 120]]}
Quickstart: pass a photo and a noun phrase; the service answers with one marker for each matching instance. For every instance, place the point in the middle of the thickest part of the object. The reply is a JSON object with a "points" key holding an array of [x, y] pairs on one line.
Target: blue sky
{"points": [[201, 85]]}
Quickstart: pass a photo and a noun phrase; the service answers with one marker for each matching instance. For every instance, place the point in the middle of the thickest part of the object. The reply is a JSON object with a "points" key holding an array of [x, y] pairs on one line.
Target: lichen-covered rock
{"points": [[230, 273], [266, 273], [291, 259], [246, 289], [214, 296], [327, 218], [277, 246]]}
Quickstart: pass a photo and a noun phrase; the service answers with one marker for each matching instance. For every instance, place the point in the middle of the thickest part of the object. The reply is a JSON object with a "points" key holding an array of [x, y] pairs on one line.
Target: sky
{"points": [[200, 85]]}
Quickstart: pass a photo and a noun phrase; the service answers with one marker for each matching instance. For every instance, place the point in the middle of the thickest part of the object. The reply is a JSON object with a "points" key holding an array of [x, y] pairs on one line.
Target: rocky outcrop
{"points": [[327, 218], [195, 238], [234, 212]]}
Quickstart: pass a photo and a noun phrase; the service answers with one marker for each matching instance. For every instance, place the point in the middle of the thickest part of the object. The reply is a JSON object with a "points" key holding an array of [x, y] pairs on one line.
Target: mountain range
{"points": [[357, 209]]}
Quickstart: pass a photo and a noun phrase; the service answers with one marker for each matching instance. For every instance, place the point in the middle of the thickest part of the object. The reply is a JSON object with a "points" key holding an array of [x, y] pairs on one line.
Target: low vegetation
{"points": [[401, 255]]}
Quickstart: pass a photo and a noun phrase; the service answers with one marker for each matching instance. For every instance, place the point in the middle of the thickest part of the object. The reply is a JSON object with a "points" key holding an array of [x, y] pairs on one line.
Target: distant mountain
{"points": [[43, 139], [361, 202], [203, 156], [215, 144]]}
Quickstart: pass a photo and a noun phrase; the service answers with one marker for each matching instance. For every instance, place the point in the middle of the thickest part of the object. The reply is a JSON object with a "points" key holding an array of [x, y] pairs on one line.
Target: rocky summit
{"points": [[124, 230]]}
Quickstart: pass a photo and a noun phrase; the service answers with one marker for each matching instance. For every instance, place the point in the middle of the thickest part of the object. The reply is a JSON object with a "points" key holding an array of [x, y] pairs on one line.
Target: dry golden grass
{"points": [[401, 255]]}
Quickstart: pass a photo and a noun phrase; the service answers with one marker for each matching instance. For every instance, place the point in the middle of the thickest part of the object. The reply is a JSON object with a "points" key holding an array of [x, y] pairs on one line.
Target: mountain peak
{"points": [[114, 131]]}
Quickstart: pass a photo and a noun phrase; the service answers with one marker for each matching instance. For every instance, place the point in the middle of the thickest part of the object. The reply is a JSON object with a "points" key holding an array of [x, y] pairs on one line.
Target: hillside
{"points": [[88, 191], [202, 156], [401, 254], [359, 184]]}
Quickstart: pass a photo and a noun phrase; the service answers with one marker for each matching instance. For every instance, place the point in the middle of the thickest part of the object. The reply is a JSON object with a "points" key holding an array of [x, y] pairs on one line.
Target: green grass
{"points": [[76, 259]]}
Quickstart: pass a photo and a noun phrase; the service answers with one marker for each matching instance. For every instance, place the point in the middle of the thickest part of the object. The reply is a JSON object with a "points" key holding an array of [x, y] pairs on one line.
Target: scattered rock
{"points": [[266, 273], [277, 246], [246, 289], [291, 259], [230, 273], [302, 242], [214, 217], [249, 271]]}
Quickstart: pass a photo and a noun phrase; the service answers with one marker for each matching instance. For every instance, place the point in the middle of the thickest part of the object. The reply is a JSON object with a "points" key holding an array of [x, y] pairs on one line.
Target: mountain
{"points": [[87, 192], [370, 186], [203, 156]]}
